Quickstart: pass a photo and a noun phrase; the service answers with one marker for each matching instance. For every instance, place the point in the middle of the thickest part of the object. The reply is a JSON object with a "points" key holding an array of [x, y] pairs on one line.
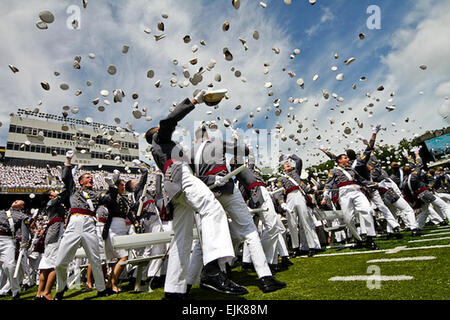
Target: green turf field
{"points": [[308, 278]]}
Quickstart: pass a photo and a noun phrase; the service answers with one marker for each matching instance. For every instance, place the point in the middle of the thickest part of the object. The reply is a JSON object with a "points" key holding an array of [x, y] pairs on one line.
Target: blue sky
{"points": [[412, 33]]}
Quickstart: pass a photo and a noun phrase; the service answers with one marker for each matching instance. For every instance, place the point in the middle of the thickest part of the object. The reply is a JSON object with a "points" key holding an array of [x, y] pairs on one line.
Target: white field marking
{"points": [[403, 259], [435, 234], [433, 239], [348, 245], [443, 227], [377, 251], [428, 247], [395, 250], [373, 278], [440, 230]]}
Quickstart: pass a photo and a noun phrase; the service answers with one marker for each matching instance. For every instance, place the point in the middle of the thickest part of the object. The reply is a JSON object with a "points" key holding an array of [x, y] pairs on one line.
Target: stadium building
{"points": [[39, 140]]}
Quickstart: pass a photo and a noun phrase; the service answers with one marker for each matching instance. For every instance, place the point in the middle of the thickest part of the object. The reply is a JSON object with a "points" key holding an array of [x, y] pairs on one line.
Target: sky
{"points": [[410, 34]]}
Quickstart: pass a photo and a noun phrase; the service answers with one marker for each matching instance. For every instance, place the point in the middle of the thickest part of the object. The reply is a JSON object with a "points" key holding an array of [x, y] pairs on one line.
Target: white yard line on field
{"points": [[433, 239], [403, 259], [373, 278], [378, 251], [435, 234], [338, 246], [440, 230]]}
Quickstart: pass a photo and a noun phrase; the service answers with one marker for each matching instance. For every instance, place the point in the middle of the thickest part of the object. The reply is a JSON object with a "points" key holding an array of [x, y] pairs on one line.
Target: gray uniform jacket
{"points": [[337, 176], [378, 175], [213, 162], [295, 174], [414, 183], [118, 207], [21, 221], [165, 151], [77, 197], [360, 163], [55, 210]]}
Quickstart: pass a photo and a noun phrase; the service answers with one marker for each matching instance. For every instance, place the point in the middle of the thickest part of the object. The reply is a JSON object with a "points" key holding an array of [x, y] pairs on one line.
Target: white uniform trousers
{"points": [[387, 214], [154, 266], [281, 242], [439, 206], [271, 228], [443, 196], [99, 229], [242, 228], [195, 263], [352, 202], [8, 261], [118, 228], [300, 221], [402, 208], [434, 217], [195, 196], [4, 282], [80, 230]]}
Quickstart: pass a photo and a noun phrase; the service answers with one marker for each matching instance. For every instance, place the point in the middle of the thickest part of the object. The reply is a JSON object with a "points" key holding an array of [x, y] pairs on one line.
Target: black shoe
{"points": [[274, 268], [228, 270], [311, 253], [416, 233], [59, 295], [169, 296], [359, 244], [302, 253], [188, 289], [8, 294], [220, 283], [285, 262], [370, 244], [156, 282], [443, 223], [16, 296], [106, 292], [270, 284], [248, 266]]}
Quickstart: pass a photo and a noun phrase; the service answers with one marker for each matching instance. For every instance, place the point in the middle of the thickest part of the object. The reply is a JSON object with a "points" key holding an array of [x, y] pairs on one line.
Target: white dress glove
{"points": [[69, 154], [416, 149], [220, 181], [284, 207], [376, 129], [199, 96], [109, 181]]}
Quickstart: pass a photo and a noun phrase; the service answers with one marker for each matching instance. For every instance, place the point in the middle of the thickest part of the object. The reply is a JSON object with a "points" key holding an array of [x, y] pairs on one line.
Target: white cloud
{"points": [[106, 26], [326, 16], [443, 90]]}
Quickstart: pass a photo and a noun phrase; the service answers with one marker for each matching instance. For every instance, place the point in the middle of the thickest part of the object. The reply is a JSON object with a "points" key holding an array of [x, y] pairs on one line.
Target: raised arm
{"points": [[67, 176], [167, 125], [139, 189], [327, 152], [298, 163], [364, 158]]}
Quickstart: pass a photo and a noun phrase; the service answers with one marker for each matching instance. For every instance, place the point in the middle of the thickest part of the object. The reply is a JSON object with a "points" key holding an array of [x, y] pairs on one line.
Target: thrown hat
{"points": [[46, 16]]}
